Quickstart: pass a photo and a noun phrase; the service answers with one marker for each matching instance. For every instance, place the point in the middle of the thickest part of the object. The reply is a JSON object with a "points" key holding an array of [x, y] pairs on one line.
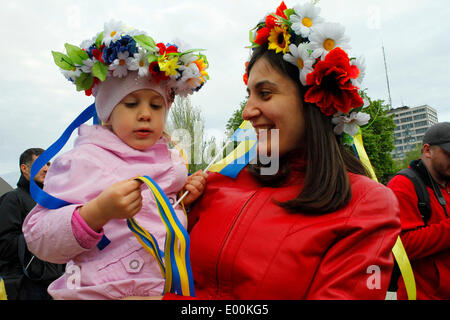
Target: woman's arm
{"points": [[359, 264]]}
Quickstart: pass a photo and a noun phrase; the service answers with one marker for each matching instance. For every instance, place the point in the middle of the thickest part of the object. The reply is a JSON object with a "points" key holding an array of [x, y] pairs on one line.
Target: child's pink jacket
{"points": [[124, 268]]}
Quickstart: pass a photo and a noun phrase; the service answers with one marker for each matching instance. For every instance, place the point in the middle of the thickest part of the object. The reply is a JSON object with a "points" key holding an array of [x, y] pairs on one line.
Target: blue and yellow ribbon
{"points": [[40, 196], [245, 151], [398, 250], [176, 268]]}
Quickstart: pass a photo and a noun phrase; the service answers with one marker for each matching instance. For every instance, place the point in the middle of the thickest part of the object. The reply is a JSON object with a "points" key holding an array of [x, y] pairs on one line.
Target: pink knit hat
{"points": [[111, 91]]}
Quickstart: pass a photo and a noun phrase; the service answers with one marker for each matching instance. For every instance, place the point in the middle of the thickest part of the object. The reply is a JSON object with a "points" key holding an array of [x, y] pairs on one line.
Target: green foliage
{"points": [[236, 119], [145, 42], [411, 155], [98, 41], [84, 81], [76, 54], [63, 61], [186, 126], [100, 70], [234, 122], [378, 138]]}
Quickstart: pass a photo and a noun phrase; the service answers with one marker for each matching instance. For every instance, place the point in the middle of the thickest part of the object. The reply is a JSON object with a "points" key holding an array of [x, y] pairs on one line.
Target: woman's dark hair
{"points": [[327, 186]]}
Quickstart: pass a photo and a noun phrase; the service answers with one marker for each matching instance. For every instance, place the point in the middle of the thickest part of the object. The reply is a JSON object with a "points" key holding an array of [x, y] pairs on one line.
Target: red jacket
{"points": [[244, 246], [427, 247]]}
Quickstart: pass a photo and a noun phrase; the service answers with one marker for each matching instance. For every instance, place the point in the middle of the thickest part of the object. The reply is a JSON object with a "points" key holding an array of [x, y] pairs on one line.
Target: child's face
{"points": [[138, 120]]}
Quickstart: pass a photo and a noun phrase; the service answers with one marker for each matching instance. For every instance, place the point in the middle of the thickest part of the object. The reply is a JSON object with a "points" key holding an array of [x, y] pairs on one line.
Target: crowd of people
{"points": [[316, 229]]}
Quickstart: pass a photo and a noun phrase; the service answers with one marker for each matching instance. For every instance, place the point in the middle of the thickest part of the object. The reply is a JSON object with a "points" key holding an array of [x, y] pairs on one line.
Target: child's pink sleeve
{"points": [[86, 237]]}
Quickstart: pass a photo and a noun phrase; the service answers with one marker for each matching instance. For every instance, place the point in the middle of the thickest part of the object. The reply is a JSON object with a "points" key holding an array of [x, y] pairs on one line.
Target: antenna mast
{"points": [[387, 77]]}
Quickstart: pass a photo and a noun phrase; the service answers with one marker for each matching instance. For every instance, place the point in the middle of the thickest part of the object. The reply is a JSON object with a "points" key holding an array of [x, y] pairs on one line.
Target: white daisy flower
{"points": [[360, 63], [349, 124], [190, 71], [87, 65], [140, 63], [71, 75], [135, 32], [187, 59], [327, 36], [306, 16], [86, 44], [300, 57], [113, 31], [120, 66]]}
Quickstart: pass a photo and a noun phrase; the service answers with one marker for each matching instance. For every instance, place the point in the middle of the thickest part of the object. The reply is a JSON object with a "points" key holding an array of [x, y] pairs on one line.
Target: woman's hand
{"points": [[122, 200], [195, 184]]}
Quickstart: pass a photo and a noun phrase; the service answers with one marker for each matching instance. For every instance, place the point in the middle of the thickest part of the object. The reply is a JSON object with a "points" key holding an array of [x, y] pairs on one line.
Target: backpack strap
{"points": [[423, 198], [423, 204]]}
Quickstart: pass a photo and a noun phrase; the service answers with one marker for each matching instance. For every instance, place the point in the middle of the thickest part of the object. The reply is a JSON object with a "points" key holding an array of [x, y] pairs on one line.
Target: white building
{"points": [[411, 124]]}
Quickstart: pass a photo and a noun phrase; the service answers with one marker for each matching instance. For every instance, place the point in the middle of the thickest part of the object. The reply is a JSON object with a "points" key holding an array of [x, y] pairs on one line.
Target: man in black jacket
{"points": [[26, 277]]}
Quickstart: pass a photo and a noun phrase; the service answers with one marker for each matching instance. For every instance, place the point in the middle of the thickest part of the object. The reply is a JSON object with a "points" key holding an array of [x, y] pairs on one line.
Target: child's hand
{"points": [[195, 184], [121, 200]]}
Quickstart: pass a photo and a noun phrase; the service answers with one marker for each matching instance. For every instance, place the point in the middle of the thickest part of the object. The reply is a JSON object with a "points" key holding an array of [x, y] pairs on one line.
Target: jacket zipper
{"points": [[228, 236]]}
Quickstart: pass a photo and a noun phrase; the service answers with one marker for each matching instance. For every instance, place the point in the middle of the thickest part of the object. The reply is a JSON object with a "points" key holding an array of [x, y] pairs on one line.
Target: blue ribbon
{"points": [[176, 283], [40, 196]]}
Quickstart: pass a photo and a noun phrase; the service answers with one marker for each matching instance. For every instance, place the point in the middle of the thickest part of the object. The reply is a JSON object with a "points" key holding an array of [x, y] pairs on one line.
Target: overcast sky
{"points": [[37, 103]]}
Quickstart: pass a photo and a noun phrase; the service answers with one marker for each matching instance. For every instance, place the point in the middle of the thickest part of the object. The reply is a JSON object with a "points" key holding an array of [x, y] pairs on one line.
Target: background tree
{"points": [[236, 119], [186, 126], [411, 155], [378, 137]]}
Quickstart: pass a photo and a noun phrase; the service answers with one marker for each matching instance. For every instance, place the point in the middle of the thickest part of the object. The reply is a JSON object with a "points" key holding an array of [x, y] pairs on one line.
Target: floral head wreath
{"points": [[317, 48], [117, 50]]}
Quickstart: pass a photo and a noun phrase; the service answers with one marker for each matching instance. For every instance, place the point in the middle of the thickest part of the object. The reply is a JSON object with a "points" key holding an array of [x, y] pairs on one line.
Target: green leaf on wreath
{"points": [[84, 81], [152, 58], [63, 61], [76, 54], [98, 41], [145, 42], [100, 70]]}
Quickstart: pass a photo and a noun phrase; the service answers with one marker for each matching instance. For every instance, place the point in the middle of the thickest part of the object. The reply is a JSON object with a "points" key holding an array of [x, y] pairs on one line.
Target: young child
{"points": [[134, 82]]}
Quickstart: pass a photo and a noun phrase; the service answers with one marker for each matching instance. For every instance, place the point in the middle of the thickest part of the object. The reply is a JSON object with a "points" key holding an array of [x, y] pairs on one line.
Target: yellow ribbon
{"points": [[2, 290], [179, 248], [398, 250], [405, 269]]}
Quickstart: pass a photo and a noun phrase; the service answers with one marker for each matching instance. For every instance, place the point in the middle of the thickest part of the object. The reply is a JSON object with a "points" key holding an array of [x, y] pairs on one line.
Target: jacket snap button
{"points": [[171, 200], [134, 264]]}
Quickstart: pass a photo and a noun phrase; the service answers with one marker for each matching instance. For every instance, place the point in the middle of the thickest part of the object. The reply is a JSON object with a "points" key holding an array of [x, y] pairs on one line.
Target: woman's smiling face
{"points": [[274, 102]]}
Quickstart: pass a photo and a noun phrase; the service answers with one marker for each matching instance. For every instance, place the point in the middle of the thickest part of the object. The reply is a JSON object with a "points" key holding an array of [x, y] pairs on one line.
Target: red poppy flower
{"points": [[331, 87], [262, 36], [156, 72], [89, 91], [280, 10], [271, 21], [246, 74], [163, 49], [98, 53]]}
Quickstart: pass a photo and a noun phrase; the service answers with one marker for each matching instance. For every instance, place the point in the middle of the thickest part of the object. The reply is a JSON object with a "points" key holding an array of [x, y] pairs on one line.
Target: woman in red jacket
{"points": [[319, 228]]}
